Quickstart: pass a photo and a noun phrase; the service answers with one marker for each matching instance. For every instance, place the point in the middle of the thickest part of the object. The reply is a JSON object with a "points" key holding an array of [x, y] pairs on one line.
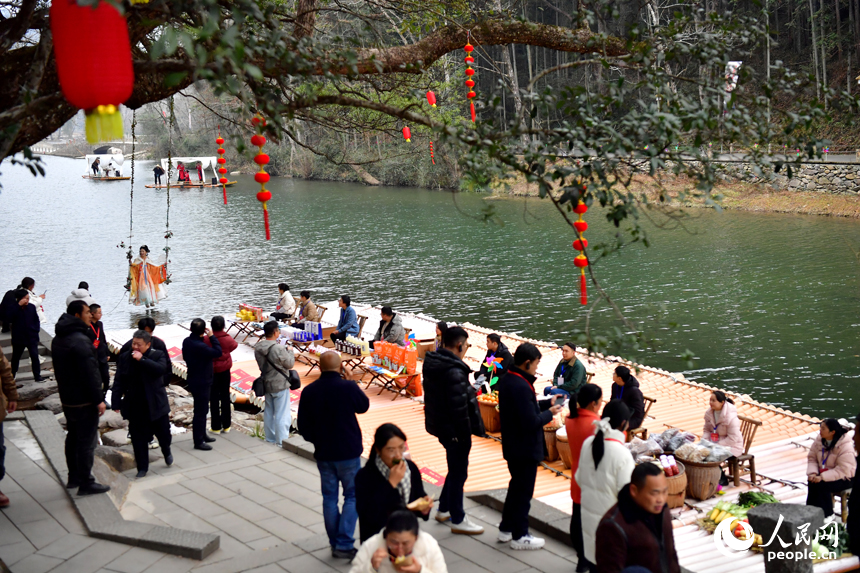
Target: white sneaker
{"points": [[504, 536], [527, 542], [466, 527], [443, 517]]}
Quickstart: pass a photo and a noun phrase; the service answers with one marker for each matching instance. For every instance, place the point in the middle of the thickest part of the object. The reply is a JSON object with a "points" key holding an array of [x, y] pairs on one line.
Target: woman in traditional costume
{"points": [[147, 280]]}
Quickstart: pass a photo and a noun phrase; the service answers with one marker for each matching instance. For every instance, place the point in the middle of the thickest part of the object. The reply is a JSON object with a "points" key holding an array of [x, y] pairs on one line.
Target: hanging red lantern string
{"points": [[580, 244], [261, 176], [407, 134], [222, 171], [431, 99], [470, 83], [93, 56]]}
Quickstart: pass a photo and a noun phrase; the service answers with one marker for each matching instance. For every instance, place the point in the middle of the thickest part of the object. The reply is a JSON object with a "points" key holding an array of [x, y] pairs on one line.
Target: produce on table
{"points": [[754, 498]]}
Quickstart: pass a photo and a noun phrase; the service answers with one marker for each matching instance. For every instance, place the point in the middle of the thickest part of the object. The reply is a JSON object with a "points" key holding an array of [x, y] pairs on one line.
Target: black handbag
{"points": [[259, 386]]}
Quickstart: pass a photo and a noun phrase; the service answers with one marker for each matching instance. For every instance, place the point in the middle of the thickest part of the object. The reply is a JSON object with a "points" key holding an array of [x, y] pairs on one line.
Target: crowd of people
{"points": [[620, 518]]}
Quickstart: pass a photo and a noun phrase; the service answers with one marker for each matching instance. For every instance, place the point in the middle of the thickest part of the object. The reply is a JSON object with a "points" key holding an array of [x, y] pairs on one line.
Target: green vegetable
{"points": [[753, 498]]}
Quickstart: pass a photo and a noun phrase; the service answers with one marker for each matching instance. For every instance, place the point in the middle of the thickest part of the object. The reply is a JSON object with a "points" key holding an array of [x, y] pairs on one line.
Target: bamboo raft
{"points": [[187, 185]]}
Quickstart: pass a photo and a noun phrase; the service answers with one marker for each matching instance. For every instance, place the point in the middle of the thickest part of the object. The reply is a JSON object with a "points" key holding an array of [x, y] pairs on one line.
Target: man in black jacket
{"points": [[199, 356], [327, 420], [147, 323], [77, 370], [139, 385], [523, 419], [637, 532], [451, 414]]}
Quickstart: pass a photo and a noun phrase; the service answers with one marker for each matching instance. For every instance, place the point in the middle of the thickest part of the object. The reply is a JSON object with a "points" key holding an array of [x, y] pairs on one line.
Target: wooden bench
{"points": [[642, 432], [737, 464], [843, 498]]}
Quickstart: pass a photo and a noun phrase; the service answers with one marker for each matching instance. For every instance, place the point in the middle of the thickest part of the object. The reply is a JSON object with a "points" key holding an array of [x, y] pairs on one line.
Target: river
{"points": [[768, 304]]}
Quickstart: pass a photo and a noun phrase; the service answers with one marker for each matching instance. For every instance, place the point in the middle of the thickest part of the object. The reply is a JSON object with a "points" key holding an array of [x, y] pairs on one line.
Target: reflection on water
{"points": [[767, 303]]}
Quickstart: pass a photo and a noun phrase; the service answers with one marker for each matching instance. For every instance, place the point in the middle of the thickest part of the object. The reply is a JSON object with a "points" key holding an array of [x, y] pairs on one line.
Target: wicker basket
{"points": [[492, 421], [551, 447], [677, 487], [563, 447], [702, 478]]}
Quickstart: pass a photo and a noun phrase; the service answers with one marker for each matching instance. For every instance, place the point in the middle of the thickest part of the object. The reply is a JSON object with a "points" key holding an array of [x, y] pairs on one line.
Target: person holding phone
{"points": [[523, 419]]}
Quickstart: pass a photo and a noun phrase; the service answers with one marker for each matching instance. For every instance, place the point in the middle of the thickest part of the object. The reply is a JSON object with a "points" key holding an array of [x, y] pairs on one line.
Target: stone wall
{"points": [[839, 178]]}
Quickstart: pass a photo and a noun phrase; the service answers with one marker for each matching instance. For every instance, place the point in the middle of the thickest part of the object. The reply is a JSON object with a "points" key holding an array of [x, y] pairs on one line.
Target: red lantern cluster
{"points": [[94, 66], [222, 171], [431, 99], [580, 244], [470, 83], [261, 176]]}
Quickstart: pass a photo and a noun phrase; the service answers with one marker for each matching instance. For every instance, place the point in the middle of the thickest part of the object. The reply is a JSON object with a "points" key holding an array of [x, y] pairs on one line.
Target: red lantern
{"points": [[469, 73], [407, 134], [93, 56], [261, 177], [580, 244], [431, 99], [222, 170]]}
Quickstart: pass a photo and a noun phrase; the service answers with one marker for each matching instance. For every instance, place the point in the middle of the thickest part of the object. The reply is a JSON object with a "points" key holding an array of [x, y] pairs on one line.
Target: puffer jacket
{"points": [[228, 345], [80, 294], [600, 486], [840, 462], [631, 395], [728, 428], [75, 363], [392, 331], [450, 404], [8, 391], [308, 311], [269, 353]]}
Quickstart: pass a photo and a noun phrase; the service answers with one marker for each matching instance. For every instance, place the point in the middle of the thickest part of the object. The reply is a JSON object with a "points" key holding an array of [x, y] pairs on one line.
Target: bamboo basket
{"points": [[492, 421], [677, 487], [702, 478], [551, 447], [563, 447]]}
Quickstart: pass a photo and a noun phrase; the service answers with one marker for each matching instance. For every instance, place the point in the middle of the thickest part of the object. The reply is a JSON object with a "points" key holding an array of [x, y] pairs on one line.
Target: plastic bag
{"points": [[663, 439], [716, 453], [678, 440], [692, 453]]}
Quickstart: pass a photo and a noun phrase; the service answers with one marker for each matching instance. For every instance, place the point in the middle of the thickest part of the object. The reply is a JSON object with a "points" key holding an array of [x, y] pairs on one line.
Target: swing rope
{"points": [[128, 254], [167, 232]]}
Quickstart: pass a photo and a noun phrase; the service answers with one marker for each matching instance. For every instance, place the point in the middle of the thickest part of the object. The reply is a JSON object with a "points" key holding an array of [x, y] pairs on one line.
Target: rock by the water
{"points": [[181, 401], [177, 391], [51, 403], [32, 390], [111, 419], [115, 438], [764, 519], [118, 458]]}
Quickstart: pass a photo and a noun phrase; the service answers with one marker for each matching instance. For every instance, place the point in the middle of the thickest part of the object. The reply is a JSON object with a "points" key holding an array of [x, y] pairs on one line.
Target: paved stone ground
{"points": [[263, 501]]}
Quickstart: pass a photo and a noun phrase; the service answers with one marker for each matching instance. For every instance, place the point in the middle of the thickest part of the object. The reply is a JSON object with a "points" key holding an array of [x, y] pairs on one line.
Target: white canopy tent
{"points": [[191, 165], [115, 160]]}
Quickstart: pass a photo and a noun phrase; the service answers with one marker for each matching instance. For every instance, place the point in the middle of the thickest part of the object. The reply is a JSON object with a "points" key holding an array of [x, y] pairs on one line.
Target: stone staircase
{"points": [[31, 392]]}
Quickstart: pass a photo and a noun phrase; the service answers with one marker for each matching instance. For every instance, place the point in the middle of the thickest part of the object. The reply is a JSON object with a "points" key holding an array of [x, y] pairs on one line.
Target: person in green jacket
{"points": [[569, 375]]}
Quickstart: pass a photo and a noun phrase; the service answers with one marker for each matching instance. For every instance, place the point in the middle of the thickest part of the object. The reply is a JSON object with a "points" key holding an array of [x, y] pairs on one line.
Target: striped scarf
{"points": [[405, 485]]}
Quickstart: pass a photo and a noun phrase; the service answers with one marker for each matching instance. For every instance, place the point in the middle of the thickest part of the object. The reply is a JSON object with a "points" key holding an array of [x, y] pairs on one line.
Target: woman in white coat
{"points": [[400, 547], [605, 466]]}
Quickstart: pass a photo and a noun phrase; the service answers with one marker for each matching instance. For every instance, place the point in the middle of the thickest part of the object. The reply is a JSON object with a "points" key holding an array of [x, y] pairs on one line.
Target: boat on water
{"points": [[110, 166], [190, 163]]}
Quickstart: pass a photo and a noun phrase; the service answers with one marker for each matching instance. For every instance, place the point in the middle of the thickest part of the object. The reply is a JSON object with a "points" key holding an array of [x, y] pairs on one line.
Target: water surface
{"points": [[768, 304]]}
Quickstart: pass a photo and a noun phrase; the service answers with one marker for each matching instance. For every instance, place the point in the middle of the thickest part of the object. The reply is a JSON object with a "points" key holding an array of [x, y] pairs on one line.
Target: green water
{"points": [[768, 304]]}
